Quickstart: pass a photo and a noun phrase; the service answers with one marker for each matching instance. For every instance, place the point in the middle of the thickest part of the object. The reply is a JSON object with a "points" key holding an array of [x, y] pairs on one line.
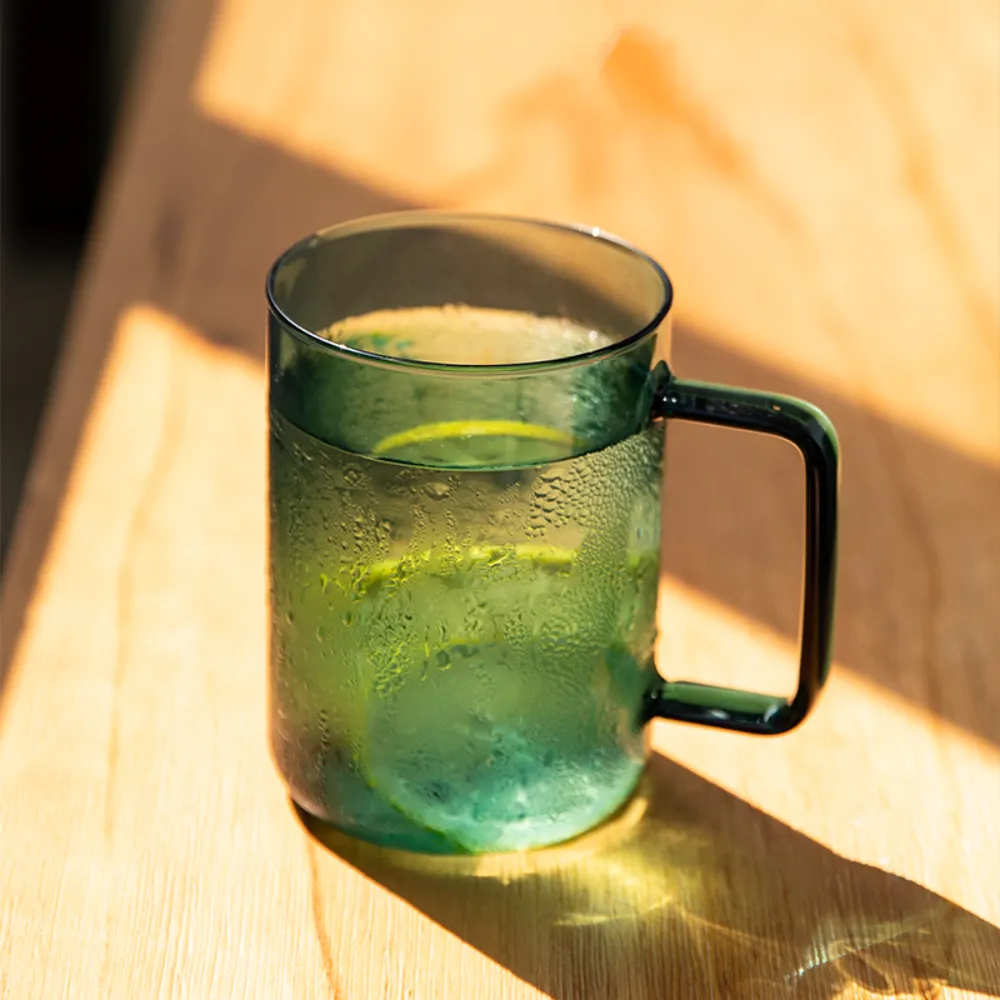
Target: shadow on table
{"points": [[695, 893]]}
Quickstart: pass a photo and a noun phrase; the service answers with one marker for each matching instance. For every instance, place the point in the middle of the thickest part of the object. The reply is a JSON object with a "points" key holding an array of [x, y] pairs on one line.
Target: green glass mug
{"points": [[467, 420]]}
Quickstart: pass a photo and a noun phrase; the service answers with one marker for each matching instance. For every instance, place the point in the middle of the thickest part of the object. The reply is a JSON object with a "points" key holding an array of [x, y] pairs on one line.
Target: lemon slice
{"points": [[412, 567], [463, 430], [549, 556], [409, 784]]}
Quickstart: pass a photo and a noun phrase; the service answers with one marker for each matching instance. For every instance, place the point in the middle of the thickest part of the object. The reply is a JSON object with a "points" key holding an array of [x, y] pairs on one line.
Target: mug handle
{"points": [[812, 433]]}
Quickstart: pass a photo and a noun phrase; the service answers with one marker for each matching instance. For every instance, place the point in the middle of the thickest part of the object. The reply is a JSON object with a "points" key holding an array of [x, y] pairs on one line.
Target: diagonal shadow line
{"points": [[733, 529], [703, 896], [200, 255], [191, 217]]}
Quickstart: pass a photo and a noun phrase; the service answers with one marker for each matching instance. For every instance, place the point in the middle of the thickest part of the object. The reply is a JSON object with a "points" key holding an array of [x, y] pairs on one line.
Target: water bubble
{"points": [[438, 490]]}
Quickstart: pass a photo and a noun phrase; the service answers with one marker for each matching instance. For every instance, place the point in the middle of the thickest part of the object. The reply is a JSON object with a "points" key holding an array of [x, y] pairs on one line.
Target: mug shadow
{"points": [[689, 892]]}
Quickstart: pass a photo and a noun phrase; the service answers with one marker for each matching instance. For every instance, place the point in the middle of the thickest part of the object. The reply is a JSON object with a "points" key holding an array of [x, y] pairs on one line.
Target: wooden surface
{"points": [[820, 180]]}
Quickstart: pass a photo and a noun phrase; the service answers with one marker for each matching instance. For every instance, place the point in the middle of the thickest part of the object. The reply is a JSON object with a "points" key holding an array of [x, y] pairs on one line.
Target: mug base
{"points": [[399, 832]]}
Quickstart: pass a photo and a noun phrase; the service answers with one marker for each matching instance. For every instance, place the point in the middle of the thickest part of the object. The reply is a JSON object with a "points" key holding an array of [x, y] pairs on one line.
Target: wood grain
{"points": [[819, 182], [149, 849], [779, 153]]}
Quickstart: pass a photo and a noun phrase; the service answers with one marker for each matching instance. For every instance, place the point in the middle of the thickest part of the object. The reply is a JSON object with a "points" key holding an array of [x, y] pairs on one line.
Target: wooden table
{"points": [[821, 181]]}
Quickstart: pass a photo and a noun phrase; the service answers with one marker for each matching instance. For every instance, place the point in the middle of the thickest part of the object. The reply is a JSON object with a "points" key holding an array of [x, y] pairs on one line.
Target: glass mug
{"points": [[467, 418]]}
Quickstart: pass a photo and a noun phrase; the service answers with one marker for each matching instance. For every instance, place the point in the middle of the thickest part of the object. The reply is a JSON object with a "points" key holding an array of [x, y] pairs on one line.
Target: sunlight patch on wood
{"points": [[777, 168]]}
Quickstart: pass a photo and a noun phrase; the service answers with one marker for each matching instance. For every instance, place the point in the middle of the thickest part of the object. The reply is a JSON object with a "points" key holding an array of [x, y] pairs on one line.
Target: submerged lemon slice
{"points": [[454, 746], [479, 433], [551, 556], [377, 764]]}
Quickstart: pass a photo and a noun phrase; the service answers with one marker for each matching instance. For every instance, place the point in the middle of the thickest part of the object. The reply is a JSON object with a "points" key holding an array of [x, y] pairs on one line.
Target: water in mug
{"points": [[461, 646]]}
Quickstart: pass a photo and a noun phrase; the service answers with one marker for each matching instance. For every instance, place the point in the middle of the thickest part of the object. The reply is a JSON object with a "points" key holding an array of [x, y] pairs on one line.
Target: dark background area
{"points": [[63, 69]]}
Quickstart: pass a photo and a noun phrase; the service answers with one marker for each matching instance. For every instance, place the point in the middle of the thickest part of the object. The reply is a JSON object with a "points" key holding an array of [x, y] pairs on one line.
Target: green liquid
{"points": [[460, 653]]}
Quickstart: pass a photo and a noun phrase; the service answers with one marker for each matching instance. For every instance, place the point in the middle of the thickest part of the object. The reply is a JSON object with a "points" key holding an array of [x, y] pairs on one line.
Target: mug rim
{"points": [[420, 218]]}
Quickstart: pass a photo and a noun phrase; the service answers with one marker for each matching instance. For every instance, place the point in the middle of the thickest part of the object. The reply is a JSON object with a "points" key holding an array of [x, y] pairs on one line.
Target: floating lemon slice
{"points": [[467, 430]]}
